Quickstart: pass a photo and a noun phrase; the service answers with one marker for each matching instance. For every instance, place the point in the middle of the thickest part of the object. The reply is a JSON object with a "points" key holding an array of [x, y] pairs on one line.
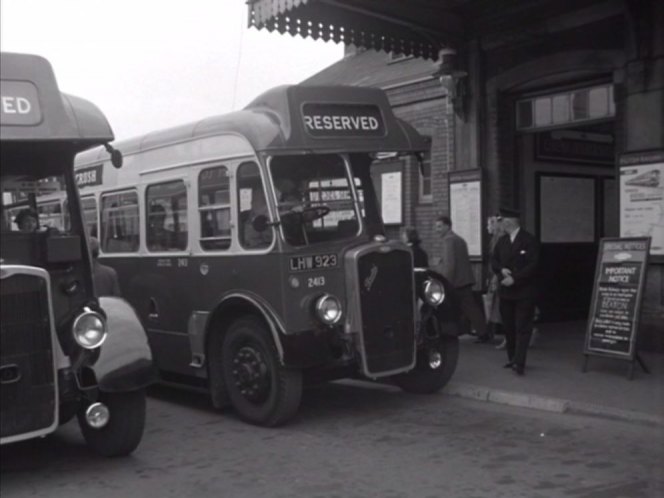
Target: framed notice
{"points": [[390, 197], [642, 199], [616, 300], [466, 208]]}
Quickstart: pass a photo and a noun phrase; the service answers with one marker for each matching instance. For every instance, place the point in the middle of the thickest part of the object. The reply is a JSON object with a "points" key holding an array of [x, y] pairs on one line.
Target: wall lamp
{"points": [[453, 80]]}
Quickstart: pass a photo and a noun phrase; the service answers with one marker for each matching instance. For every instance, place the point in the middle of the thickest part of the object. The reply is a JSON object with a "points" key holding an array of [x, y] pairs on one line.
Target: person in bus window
{"points": [[252, 238], [27, 220], [159, 237], [104, 277]]}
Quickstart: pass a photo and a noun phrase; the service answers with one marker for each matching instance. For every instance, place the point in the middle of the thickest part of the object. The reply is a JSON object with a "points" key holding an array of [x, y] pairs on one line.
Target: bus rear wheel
{"points": [[434, 367], [261, 390]]}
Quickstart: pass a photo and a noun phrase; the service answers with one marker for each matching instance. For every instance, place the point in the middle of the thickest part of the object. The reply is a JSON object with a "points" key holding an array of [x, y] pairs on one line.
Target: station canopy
{"points": [[409, 27], [419, 30]]}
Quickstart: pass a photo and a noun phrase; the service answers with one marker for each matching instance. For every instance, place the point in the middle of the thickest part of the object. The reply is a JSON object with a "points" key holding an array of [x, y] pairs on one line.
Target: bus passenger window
{"points": [[167, 216], [119, 222], [214, 207]]}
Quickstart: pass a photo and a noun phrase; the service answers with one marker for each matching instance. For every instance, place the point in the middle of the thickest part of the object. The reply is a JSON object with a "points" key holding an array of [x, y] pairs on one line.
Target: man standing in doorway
{"points": [[454, 265], [514, 261]]}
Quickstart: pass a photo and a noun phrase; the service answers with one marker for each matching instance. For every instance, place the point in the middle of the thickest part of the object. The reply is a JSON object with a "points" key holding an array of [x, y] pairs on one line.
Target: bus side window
{"points": [[214, 207], [167, 216], [119, 222]]}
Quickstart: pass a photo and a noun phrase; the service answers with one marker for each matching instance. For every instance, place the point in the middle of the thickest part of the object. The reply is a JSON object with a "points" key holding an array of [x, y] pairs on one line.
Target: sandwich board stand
{"points": [[615, 308]]}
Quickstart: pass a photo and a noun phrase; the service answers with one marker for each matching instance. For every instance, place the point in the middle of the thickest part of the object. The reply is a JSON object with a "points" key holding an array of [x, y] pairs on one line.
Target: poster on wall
{"points": [[390, 196], [466, 208], [642, 199]]}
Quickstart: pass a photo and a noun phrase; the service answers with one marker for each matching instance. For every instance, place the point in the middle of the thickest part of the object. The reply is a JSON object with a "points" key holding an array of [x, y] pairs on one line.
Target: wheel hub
{"points": [[435, 359], [251, 374]]}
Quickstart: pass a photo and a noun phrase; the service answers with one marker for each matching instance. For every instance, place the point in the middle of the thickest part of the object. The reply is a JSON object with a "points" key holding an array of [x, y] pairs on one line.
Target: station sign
{"points": [[322, 120], [19, 104]]}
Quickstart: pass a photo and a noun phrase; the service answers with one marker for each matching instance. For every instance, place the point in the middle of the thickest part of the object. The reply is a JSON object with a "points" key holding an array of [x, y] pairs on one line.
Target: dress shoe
{"points": [[482, 339], [519, 369], [508, 365]]}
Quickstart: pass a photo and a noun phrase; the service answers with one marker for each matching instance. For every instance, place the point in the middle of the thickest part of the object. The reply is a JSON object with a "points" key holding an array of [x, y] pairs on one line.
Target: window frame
{"points": [[101, 210], [421, 196], [214, 207], [145, 226]]}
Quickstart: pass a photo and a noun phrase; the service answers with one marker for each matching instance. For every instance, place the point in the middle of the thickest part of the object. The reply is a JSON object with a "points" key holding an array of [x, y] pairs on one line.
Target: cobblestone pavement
{"points": [[351, 440]]}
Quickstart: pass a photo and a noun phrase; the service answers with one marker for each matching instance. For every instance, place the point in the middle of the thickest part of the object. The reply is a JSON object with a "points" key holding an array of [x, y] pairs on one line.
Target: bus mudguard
{"points": [[232, 305], [125, 360], [447, 314]]}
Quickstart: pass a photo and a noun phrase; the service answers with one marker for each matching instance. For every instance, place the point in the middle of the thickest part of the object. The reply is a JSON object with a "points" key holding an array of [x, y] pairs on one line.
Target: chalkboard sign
{"points": [[616, 300]]}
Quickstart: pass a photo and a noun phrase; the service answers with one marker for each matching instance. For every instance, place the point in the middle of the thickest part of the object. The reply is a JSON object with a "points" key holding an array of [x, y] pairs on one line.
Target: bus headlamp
{"points": [[328, 309], [89, 329], [434, 292]]}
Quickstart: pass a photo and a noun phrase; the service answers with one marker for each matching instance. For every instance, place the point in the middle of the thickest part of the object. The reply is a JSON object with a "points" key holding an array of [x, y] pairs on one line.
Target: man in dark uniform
{"points": [[104, 277], [514, 261]]}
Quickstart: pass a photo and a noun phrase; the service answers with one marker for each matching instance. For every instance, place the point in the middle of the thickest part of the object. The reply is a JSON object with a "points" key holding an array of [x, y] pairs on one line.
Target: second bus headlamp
{"points": [[434, 292], [89, 329]]}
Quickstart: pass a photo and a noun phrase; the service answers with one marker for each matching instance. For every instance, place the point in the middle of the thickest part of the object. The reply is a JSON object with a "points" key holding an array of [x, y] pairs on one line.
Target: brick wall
{"points": [[425, 107]]}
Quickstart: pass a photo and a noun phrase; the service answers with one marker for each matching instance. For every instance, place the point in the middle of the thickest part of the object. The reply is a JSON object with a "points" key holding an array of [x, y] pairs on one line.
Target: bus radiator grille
{"points": [[386, 300], [27, 387]]}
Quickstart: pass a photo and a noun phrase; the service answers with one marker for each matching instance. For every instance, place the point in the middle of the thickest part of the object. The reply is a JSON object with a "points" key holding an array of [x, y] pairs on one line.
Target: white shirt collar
{"points": [[514, 234]]}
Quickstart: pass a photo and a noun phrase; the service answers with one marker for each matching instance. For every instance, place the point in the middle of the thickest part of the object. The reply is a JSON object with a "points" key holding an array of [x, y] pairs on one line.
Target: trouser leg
{"points": [[471, 309], [524, 316], [507, 312]]}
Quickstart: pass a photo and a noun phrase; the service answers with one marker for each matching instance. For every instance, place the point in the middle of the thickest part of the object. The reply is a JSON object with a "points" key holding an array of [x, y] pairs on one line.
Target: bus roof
{"points": [[294, 118], [32, 108]]}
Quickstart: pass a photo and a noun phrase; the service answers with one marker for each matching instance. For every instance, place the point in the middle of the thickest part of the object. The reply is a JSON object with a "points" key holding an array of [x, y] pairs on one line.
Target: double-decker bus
{"points": [[63, 351], [252, 246]]}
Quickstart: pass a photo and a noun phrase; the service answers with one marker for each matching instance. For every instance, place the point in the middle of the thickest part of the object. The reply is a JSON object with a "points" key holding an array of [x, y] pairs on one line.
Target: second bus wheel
{"points": [[261, 390], [433, 369]]}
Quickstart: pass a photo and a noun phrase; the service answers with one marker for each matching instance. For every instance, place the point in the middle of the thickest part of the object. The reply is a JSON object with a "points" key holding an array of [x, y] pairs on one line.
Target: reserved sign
{"points": [[616, 300], [342, 120], [19, 104]]}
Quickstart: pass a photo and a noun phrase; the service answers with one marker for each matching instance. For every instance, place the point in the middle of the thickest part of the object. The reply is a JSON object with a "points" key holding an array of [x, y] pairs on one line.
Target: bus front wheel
{"points": [[124, 430], [434, 367], [261, 390]]}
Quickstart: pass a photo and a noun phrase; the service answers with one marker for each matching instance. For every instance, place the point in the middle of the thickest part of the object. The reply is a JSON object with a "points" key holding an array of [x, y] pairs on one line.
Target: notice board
{"points": [[642, 199], [466, 208], [616, 301]]}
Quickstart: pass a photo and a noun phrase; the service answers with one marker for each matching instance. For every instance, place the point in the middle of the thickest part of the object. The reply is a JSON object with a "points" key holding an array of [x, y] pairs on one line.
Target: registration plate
{"points": [[313, 262]]}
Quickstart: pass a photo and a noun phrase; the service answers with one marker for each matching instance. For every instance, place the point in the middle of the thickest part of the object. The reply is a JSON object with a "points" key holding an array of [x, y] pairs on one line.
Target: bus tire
{"points": [[261, 390], [124, 430], [424, 379]]}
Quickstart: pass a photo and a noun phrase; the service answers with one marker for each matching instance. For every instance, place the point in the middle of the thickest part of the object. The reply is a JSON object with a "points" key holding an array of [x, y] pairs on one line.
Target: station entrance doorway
{"points": [[568, 190]]}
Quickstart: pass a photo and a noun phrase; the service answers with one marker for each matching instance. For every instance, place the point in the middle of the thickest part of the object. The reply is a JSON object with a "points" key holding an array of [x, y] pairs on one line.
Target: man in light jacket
{"points": [[454, 265]]}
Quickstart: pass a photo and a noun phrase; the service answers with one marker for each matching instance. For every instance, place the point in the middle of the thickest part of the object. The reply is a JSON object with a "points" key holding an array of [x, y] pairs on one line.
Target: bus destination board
{"points": [[342, 120]]}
